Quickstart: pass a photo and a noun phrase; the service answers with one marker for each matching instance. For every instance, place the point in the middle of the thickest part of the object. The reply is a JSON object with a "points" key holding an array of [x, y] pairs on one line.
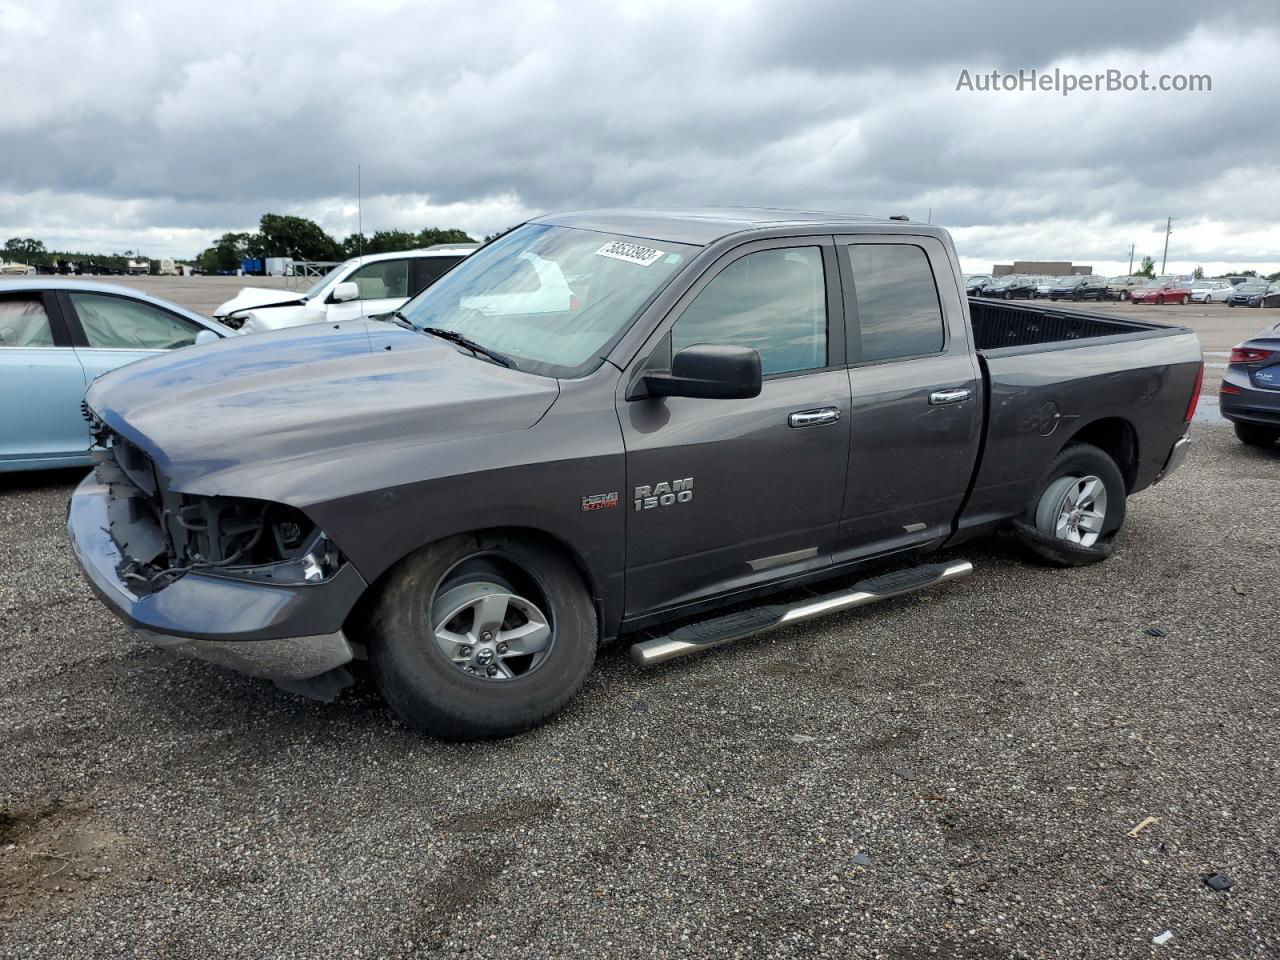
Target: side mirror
{"points": [[345, 291], [206, 336], [710, 372]]}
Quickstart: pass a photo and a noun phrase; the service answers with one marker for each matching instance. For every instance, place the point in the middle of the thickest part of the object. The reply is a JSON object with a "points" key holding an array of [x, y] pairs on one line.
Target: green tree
{"points": [[284, 236], [1148, 268], [389, 241], [226, 253], [433, 235], [1197, 273], [24, 249]]}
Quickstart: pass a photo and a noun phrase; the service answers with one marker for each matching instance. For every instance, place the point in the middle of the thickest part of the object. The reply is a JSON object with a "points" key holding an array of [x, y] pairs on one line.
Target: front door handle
{"points": [[813, 418], [958, 395]]}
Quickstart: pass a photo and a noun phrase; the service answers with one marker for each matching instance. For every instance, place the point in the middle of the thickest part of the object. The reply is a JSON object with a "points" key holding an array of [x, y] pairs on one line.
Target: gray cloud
{"points": [[131, 128]]}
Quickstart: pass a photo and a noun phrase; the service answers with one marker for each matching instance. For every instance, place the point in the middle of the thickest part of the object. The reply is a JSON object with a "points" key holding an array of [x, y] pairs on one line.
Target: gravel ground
{"points": [[951, 774]]}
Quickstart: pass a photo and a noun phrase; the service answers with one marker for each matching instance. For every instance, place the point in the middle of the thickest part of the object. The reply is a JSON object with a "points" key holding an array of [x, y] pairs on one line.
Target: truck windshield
{"points": [[552, 299]]}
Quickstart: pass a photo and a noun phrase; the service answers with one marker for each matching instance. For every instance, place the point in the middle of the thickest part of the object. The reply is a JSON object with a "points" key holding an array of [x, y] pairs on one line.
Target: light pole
{"points": [[1130, 260], [1168, 224]]}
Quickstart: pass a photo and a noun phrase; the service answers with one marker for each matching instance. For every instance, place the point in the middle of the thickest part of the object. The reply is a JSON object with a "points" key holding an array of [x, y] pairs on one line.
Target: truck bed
{"points": [[1051, 372], [1004, 326]]}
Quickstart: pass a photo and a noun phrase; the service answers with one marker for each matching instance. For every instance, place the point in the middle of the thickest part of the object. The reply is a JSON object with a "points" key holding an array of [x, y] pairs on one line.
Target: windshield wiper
{"points": [[499, 358]]}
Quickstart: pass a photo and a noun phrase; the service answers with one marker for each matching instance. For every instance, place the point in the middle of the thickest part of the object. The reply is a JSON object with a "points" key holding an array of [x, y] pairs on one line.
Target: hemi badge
{"points": [[600, 501]]}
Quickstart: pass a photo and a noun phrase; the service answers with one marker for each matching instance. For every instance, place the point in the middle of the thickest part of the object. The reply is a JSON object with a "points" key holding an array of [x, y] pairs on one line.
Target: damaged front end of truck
{"points": [[248, 583]]}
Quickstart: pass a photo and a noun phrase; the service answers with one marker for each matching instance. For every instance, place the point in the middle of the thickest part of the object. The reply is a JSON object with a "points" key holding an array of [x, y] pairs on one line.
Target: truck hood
{"points": [[250, 297], [277, 415]]}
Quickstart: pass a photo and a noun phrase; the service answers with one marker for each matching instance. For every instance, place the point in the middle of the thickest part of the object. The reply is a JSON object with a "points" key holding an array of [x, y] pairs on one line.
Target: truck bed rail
{"points": [[999, 324]]}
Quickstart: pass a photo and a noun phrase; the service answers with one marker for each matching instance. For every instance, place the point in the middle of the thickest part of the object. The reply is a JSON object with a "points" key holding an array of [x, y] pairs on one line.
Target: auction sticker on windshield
{"points": [[630, 252]]}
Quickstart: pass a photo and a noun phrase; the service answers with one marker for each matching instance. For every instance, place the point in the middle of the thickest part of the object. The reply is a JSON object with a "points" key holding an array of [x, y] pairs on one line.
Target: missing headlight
{"points": [[234, 536]]}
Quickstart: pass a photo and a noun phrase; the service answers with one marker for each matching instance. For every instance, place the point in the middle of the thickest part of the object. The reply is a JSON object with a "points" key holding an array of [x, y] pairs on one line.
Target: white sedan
{"points": [[1210, 291], [361, 287]]}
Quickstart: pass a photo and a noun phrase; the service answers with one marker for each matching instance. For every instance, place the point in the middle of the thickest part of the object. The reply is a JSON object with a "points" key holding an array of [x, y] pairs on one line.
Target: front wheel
{"points": [[1182, 301], [482, 636], [1253, 435], [1077, 509]]}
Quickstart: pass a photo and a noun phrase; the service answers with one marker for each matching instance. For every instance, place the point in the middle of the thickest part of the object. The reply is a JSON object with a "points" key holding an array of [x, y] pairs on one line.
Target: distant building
{"points": [[1041, 268]]}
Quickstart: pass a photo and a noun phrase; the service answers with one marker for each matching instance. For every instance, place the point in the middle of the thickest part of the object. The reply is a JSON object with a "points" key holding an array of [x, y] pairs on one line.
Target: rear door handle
{"points": [[958, 395], [813, 418]]}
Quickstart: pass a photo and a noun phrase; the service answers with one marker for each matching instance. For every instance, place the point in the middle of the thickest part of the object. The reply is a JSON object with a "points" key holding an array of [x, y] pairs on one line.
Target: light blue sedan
{"points": [[56, 336]]}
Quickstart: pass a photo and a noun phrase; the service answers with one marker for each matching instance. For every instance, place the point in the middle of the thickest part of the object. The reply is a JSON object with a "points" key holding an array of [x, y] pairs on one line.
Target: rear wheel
{"points": [[1253, 435], [1077, 509], [482, 636], [1182, 301]]}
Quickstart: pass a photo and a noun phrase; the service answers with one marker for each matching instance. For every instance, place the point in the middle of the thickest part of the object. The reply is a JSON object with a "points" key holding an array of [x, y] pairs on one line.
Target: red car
{"points": [[1161, 291]]}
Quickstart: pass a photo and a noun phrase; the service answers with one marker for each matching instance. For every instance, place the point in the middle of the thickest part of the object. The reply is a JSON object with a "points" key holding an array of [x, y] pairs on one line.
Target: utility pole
{"points": [[1168, 225], [1130, 260], [930, 220], [359, 215]]}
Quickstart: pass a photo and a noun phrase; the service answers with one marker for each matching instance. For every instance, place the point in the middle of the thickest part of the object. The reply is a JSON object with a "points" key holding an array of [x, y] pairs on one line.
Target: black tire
{"points": [[1255, 435], [431, 693], [1076, 460]]}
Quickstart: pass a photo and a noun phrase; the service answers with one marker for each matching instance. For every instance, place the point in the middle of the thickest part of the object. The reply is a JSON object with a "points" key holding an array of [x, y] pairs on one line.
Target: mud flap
{"points": [[1061, 552]]}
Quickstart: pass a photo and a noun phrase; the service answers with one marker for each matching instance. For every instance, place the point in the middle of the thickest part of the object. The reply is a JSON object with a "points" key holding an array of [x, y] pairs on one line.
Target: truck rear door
{"points": [[725, 494], [916, 394]]}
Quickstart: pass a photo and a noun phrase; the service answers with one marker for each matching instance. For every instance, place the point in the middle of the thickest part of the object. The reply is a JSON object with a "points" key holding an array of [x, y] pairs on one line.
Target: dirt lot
{"points": [[952, 774]]}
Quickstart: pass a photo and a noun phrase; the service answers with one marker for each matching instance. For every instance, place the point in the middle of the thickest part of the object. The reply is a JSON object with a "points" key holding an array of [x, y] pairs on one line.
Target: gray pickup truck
{"points": [[679, 427]]}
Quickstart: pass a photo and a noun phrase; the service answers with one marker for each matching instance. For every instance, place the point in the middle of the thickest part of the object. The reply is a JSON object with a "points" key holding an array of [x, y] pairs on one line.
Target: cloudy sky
{"points": [[132, 125]]}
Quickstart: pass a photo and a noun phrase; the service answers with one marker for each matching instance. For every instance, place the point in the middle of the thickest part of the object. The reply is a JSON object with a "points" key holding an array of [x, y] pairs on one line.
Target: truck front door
{"points": [[724, 494], [916, 389]]}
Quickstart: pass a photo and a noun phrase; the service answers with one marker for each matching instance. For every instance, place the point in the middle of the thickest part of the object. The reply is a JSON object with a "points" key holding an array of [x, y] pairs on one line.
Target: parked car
{"points": [[1250, 393], [973, 284], [1043, 286], [56, 336], [1119, 288], [1250, 294], [362, 286], [1011, 288], [480, 500], [17, 269], [1162, 291], [1211, 291], [1079, 288]]}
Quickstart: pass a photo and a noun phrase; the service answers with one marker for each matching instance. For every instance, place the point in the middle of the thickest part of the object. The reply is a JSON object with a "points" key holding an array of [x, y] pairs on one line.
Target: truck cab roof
{"points": [[704, 225]]}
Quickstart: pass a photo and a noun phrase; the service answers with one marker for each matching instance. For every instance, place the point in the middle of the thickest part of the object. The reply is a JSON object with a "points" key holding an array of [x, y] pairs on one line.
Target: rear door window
{"points": [[119, 323], [24, 322], [427, 270], [895, 301]]}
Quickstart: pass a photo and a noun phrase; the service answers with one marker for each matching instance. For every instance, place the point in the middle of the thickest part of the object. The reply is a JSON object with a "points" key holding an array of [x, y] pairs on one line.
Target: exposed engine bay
{"points": [[163, 534]]}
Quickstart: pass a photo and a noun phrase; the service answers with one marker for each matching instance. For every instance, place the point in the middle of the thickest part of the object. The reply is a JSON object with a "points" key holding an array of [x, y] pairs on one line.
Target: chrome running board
{"points": [[705, 634]]}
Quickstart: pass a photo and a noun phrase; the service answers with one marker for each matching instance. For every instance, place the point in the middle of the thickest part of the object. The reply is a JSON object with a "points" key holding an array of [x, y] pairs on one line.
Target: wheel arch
{"points": [[1118, 439], [357, 619]]}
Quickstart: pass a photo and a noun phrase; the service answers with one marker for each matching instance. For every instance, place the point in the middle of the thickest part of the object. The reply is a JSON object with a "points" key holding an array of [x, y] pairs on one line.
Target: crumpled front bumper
{"points": [[284, 632]]}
